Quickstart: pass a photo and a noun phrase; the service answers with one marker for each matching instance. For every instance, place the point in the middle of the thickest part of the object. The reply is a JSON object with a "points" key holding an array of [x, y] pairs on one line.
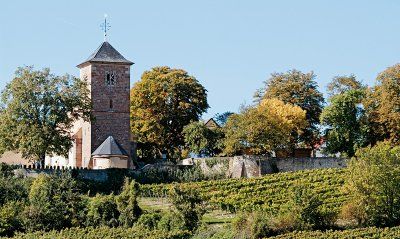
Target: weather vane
{"points": [[105, 26]]}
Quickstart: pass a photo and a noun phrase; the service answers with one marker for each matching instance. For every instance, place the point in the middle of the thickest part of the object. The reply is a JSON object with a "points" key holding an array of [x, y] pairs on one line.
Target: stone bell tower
{"points": [[105, 142]]}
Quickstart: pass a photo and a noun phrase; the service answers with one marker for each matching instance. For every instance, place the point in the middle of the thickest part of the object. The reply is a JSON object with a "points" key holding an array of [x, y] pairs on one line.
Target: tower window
{"points": [[110, 78], [111, 104]]}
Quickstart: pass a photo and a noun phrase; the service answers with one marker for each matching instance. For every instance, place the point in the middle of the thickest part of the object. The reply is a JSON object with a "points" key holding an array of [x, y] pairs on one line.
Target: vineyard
{"points": [[106, 232], [381, 233], [267, 192]]}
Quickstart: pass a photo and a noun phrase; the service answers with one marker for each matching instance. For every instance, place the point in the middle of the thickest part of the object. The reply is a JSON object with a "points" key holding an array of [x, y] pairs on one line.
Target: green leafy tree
{"points": [[127, 203], [54, 203], [373, 182], [261, 129], [162, 103], [299, 89], [202, 140], [37, 110], [343, 119]]}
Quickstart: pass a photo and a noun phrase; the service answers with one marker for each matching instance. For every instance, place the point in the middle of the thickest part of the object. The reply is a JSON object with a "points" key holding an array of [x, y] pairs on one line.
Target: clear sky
{"points": [[230, 46]]}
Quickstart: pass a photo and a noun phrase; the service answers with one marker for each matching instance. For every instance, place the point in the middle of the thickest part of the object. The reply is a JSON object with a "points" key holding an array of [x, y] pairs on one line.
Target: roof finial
{"points": [[105, 26]]}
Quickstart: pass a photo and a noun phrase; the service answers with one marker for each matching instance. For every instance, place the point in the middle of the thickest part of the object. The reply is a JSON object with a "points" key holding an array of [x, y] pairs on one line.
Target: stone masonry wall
{"points": [[255, 166]]}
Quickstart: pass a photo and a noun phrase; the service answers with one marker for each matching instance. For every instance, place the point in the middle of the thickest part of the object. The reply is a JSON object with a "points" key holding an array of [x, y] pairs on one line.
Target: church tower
{"points": [[105, 142]]}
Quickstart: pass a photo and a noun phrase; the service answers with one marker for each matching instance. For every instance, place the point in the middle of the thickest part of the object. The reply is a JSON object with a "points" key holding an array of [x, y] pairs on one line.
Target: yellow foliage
{"points": [[266, 127]]}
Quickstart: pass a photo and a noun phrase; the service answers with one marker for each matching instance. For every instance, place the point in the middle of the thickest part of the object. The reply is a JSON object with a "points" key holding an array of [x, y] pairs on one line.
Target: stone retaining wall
{"points": [[254, 166]]}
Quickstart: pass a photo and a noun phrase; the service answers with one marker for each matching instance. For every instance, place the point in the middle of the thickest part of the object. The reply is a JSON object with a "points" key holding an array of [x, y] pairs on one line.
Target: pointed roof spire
{"points": [[110, 146], [106, 53]]}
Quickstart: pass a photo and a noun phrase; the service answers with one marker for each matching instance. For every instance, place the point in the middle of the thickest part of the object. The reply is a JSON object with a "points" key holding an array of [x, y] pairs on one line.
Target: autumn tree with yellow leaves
{"points": [[263, 128]]}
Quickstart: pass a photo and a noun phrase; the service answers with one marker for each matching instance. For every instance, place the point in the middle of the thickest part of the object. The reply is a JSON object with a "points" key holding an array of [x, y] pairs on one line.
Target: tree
{"points": [[383, 106], [343, 121], [342, 84], [162, 103], [127, 203], [201, 140], [299, 89], [263, 128], [37, 110], [373, 183]]}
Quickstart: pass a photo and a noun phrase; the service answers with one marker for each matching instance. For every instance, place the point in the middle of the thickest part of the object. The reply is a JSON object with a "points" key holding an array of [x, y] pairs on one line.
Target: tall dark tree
{"points": [[38, 110], [342, 119], [162, 103], [301, 89]]}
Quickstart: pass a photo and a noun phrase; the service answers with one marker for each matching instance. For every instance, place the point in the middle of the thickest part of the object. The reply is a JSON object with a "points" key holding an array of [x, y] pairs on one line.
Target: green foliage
{"points": [[37, 110], [162, 103], [252, 225], [261, 129], [171, 221], [201, 140], [370, 232], [149, 220], [269, 192], [7, 170], [127, 203], [373, 182], [54, 203], [11, 218], [299, 89], [303, 211], [189, 205], [343, 119], [102, 211], [13, 189], [106, 232]]}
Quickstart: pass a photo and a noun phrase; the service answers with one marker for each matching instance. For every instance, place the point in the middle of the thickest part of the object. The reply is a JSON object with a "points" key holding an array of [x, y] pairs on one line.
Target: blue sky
{"points": [[230, 46]]}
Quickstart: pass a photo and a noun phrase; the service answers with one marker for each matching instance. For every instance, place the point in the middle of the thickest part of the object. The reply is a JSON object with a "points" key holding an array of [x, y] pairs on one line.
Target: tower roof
{"points": [[106, 53], [110, 147]]}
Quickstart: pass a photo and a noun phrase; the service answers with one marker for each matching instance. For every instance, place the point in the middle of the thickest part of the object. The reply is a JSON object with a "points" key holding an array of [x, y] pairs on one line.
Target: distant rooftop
{"points": [[107, 54], [110, 147]]}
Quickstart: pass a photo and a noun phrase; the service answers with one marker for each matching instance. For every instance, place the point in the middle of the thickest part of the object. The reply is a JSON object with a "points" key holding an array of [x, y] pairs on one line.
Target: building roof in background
{"points": [[211, 123]]}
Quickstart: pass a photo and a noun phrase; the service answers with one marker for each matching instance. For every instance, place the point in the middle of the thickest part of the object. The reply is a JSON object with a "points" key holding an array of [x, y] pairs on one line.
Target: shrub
{"points": [[13, 189], [54, 203], [149, 220], [102, 211], [302, 212], [189, 205], [127, 203], [373, 182], [171, 221], [251, 225], [11, 218]]}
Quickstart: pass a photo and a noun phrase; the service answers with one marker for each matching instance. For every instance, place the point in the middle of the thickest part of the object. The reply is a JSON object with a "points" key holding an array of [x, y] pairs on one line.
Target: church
{"points": [[105, 142]]}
